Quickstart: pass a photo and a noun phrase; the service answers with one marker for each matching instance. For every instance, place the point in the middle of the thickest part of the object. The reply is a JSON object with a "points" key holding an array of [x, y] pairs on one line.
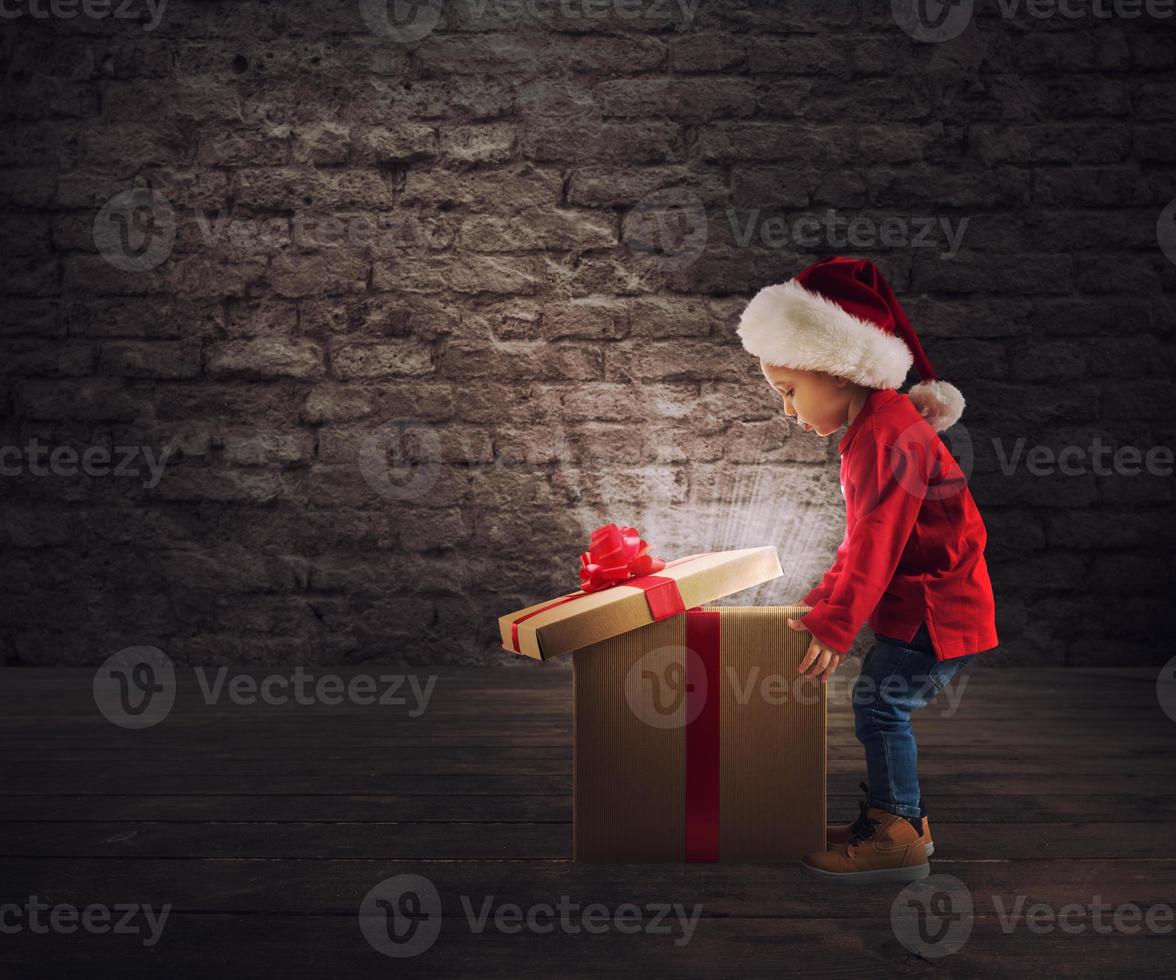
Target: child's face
{"points": [[818, 401]]}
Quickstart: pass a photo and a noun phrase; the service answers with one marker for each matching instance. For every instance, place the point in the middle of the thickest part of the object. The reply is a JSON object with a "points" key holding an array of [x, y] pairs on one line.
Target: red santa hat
{"points": [[841, 316]]}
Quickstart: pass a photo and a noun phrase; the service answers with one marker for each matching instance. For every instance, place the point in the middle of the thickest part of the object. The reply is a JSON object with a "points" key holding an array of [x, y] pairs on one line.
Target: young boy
{"points": [[835, 344]]}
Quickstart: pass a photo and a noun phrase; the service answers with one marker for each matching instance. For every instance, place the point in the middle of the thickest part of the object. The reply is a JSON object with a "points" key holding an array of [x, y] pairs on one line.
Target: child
{"points": [[835, 344]]}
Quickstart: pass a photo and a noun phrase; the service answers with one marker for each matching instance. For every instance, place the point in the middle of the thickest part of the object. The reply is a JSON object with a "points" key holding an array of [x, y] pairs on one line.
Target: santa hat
{"points": [[841, 316]]}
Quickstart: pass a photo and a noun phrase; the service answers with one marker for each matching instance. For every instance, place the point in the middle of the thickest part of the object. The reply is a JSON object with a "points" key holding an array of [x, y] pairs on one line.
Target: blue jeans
{"points": [[896, 679]]}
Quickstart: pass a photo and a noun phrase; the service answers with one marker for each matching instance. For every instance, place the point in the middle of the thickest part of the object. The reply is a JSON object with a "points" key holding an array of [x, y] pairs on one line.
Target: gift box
{"points": [[695, 737]]}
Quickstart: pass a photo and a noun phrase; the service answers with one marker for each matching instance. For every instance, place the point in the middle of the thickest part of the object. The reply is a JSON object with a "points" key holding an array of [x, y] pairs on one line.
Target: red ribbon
{"points": [[614, 555], [661, 593], [702, 735]]}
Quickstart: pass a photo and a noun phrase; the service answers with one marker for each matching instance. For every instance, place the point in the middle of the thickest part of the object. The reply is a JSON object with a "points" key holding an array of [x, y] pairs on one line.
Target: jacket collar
{"points": [[874, 401]]}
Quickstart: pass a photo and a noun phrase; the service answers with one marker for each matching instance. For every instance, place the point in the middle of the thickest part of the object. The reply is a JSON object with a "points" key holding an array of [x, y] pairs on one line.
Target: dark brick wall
{"points": [[402, 322]]}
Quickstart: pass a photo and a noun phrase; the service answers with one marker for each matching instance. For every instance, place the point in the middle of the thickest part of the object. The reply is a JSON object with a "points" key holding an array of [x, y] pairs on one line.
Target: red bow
{"points": [[614, 555]]}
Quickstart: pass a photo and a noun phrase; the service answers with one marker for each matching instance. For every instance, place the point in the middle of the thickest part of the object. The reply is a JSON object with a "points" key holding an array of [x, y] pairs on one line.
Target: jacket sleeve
{"points": [[888, 488]]}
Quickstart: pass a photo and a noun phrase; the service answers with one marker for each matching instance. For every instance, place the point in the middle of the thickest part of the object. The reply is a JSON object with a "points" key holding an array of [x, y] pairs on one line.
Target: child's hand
{"points": [[819, 660]]}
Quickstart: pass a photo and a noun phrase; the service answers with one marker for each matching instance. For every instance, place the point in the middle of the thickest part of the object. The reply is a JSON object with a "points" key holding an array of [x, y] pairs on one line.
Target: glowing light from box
{"points": [[793, 505]]}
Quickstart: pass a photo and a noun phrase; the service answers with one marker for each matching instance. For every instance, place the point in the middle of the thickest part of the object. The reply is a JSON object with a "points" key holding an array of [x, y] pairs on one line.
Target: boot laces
{"points": [[863, 827]]}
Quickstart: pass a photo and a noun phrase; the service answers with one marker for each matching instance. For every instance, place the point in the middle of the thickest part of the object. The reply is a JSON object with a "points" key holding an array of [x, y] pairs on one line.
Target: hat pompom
{"points": [[939, 402]]}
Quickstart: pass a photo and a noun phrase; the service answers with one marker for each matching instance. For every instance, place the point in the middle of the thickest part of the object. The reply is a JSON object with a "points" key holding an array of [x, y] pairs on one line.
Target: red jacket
{"points": [[914, 540]]}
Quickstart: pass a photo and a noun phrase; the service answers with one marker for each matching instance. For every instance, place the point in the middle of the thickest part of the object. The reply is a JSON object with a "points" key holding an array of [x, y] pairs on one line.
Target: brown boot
{"points": [[886, 847], [837, 834]]}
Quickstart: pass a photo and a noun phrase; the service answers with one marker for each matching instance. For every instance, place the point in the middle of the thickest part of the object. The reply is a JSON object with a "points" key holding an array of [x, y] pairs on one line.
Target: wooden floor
{"points": [[264, 828]]}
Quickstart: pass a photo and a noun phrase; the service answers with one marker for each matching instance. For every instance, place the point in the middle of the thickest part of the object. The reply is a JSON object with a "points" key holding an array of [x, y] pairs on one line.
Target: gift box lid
{"points": [[577, 619]]}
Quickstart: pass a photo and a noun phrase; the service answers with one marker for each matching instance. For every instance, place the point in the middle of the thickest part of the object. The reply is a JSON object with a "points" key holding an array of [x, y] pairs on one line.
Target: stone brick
{"points": [[325, 144], [800, 55], [1155, 100], [265, 148], [500, 274], [536, 228], [86, 399], [687, 99], [38, 358], [664, 317], [491, 143], [1052, 143], [192, 483], [309, 275], [268, 448], [487, 191], [26, 234], [267, 317], [159, 359], [1039, 274], [306, 189], [650, 487], [409, 440], [387, 360], [36, 317], [649, 141], [32, 276], [520, 361], [265, 359], [401, 143], [813, 145], [336, 403], [1090, 187], [160, 318], [708, 52], [687, 360], [1099, 530], [585, 319], [431, 530], [603, 187]]}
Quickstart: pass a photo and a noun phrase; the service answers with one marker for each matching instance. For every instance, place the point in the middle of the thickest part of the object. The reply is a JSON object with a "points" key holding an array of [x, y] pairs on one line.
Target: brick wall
{"points": [[328, 337]]}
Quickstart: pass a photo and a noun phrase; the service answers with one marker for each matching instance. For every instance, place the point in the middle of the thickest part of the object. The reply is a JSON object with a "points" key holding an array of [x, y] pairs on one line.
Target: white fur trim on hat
{"points": [[790, 326], [939, 402]]}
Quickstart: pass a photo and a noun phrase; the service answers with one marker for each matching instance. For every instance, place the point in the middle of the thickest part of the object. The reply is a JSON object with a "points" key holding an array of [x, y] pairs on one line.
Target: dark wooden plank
{"points": [[935, 762], [332, 887], [431, 753], [404, 841], [546, 760], [1065, 737], [815, 947], [169, 782], [1013, 809], [531, 675], [292, 807], [531, 713], [957, 733], [64, 691]]}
